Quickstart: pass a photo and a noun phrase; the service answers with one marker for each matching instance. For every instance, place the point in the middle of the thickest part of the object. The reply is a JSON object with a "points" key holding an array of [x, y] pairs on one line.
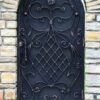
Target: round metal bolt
{"points": [[20, 44], [76, 13], [25, 13]]}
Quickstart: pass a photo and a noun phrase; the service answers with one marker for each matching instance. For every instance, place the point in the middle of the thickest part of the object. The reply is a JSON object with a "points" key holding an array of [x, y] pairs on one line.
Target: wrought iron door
{"points": [[50, 50]]}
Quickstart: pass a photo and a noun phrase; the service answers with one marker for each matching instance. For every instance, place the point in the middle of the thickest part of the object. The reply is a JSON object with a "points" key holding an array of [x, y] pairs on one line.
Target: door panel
{"points": [[50, 50]]}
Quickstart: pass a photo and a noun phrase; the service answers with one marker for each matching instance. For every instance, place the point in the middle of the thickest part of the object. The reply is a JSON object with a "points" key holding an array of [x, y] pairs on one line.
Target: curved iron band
{"points": [[50, 10]]}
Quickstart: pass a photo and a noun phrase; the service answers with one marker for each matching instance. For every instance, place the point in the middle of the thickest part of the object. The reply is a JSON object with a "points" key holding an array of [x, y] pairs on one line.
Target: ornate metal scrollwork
{"points": [[55, 97], [45, 97], [51, 50], [51, 2]]}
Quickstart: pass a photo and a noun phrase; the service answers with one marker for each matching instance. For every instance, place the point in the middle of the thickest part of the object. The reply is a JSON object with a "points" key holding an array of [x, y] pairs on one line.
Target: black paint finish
{"points": [[50, 50]]}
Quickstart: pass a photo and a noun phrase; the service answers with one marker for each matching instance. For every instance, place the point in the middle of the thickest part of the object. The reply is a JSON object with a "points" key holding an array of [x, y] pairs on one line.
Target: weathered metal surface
{"points": [[50, 50]]}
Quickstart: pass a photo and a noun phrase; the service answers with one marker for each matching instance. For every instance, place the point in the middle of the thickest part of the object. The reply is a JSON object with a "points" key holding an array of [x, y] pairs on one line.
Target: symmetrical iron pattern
{"points": [[50, 50]]}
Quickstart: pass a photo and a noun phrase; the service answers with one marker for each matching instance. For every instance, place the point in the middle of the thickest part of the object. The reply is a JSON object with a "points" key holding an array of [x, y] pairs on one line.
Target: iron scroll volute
{"points": [[51, 2]]}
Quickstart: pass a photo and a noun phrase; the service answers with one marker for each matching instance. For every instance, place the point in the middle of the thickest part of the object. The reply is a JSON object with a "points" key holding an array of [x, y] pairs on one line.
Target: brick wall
{"points": [[8, 38], [8, 59], [93, 50]]}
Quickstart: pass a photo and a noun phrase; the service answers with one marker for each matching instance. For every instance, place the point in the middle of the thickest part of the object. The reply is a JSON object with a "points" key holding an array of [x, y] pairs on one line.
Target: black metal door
{"points": [[50, 50]]}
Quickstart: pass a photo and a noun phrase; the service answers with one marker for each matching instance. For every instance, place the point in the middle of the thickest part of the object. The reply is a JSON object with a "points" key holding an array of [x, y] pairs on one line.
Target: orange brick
{"points": [[10, 94], [1, 94], [92, 36], [8, 77], [90, 17]]}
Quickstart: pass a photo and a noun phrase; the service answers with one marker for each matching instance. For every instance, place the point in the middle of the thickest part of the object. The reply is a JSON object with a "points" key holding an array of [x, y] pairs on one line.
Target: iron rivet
{"points": [[78, 33], [20, 44], [22, 29], [72, 6], [76, 13], [24, 96], [68, 90], [32, 63], [25, 13]]}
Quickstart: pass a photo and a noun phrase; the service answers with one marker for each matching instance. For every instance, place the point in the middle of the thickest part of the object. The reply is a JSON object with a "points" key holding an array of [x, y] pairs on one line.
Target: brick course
{"points": [[92, 61], [8, 42]]}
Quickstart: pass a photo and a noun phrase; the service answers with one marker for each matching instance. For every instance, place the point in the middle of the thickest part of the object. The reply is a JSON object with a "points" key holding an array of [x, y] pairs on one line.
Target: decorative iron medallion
{"points": [[50, 50]]}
